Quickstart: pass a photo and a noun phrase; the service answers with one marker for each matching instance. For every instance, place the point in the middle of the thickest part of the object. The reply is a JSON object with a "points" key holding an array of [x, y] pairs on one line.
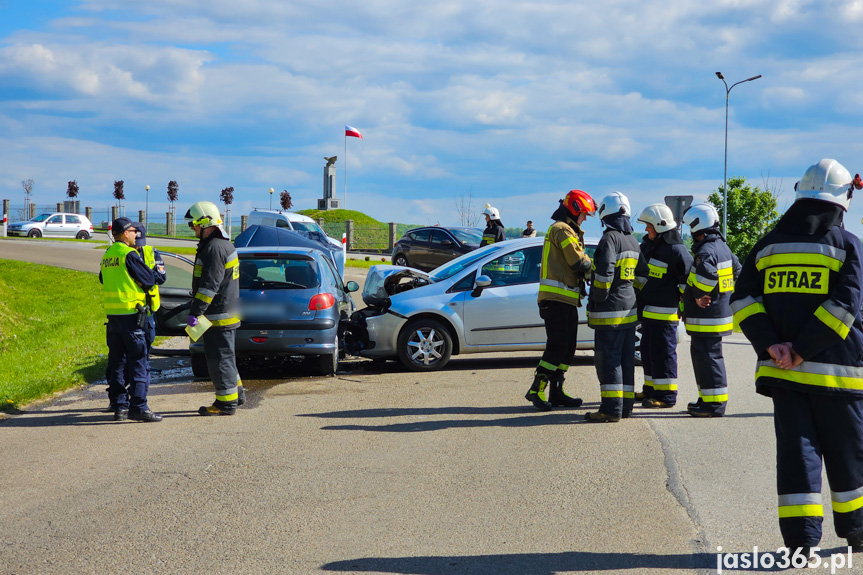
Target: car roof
{"points": [[292, 216]]}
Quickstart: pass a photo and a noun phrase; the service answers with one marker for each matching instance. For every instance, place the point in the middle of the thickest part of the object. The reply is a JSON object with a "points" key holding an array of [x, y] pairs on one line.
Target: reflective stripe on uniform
{"points": [[800, 505], [199, 267], [230, 394], [748, 306], [800, 254], [568, 241], [660, 313], [611, 390], [223, 319], [563, 367], [725, 271], [715, 395], [847, 501], [612, 317], [818, 374], [835, 317], [205, 295], [703, 283], [626, 262], [657, 268], [665, 384], [602, 282], [553, 286], [545, 365], [709, 324]]}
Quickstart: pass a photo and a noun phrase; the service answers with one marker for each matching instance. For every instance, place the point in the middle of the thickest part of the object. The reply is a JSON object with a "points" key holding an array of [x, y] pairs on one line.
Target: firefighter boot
{"points": [[600, 417], [241, 395], [218, 408], [557, 397], [538, 392]]}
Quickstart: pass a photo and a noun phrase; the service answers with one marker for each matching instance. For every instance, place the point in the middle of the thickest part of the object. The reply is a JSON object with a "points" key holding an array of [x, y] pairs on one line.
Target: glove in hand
{"points": [[192, 321]]}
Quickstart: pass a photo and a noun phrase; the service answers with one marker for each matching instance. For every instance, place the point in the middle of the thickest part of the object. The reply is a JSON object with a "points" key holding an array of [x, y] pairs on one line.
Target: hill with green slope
{"points": [[334, 216]]}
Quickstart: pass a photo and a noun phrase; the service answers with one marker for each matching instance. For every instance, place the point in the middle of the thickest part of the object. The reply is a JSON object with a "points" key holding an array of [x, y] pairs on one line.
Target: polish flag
{"points": [[349, 131]]}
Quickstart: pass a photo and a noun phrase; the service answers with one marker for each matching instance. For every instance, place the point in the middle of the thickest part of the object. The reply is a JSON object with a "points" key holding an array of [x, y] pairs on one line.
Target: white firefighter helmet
{"points": [[614, 203], [204, 214], [700, 217], [659, 216], [492, 213], [829, 181]]}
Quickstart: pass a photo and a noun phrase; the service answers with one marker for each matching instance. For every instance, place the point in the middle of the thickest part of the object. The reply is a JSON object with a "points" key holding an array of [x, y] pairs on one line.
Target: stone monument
{"points": [[330, 201]]}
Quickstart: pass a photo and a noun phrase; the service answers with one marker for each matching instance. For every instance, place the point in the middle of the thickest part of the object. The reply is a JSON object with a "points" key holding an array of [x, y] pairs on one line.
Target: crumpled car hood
{"points": [[384, 281]]}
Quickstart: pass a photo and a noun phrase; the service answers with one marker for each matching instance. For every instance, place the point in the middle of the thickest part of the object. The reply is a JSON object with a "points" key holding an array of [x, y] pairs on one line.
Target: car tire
{"points": [[424, 344], [34, 234], [82, 235], [199, 365], [401, 260], [328, 363]]}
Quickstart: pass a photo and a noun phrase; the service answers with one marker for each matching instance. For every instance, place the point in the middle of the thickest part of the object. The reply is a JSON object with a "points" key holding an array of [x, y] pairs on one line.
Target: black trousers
{"points": [[561, 333], [659, 359], [614, 358], [709, 367], [222, 364], [810, 427], [128, 371]]}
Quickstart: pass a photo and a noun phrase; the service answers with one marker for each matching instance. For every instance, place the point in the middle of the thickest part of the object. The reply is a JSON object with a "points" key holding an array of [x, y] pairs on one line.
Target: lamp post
{"points": [[271, 198], [725, 175], [146, 204]]}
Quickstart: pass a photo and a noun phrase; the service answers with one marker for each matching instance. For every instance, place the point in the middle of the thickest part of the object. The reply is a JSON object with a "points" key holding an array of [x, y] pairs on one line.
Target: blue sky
{"points": [[513, 102]]}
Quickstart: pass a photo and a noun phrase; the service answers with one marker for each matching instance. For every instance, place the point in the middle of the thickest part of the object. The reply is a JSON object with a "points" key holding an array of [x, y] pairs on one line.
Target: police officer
{"points": [[125, 281], [494, 231], [706, 311], [561, 287], [659, 302], [216, 289], [611, 309], [798, 301]]}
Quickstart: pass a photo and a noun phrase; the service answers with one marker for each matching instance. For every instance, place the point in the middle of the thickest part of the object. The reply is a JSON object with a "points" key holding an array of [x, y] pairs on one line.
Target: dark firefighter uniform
{"points": [[802, 284], [668, 263], [611, 312], [561, 287], [493, 233], [125, 281], [216, 289], [712, 274]]}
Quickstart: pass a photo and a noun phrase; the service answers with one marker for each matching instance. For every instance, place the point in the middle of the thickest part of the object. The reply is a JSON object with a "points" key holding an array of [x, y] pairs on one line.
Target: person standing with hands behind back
{"points": [[216, 289], [797, 301], [494, 230]]}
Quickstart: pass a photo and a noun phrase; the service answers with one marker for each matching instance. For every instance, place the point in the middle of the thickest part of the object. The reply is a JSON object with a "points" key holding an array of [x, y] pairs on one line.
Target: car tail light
{"points": [[259, 339], [322, 301]]}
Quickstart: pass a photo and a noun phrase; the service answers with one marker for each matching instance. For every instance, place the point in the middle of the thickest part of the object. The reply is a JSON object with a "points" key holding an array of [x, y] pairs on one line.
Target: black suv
{"points": [[428, 248]]}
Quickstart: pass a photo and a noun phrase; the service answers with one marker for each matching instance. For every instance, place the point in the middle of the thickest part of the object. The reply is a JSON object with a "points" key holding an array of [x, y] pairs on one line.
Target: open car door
{"points": [[175, 295]]}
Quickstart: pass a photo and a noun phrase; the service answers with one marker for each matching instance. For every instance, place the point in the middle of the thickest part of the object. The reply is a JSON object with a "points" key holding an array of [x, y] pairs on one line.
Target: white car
{"points": [[484, 301], [288, 220], [57, 225]]}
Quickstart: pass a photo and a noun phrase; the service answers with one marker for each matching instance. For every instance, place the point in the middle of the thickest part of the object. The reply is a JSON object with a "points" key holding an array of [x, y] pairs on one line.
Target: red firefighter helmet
{"points": [[577, 201]]}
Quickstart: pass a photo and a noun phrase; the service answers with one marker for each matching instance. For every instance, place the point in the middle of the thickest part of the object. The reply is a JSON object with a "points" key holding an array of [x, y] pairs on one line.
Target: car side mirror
{"points": [[446, 243], [480, 284], [352, 286]]}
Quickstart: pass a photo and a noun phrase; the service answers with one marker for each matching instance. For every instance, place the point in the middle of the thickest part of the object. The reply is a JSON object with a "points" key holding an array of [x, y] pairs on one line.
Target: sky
{"points": [[511, 103]]}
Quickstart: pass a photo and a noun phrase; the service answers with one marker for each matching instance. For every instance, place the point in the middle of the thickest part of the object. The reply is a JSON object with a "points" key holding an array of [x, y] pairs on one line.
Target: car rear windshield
{"points": [[278, 272], [473, 237]]}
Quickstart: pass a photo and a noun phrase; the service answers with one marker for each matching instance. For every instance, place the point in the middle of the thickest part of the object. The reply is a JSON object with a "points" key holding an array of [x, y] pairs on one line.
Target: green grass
{"points": [[373, 261], [52, 333]]}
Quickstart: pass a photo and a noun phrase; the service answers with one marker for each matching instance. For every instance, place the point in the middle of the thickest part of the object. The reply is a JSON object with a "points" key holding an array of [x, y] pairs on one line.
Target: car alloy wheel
{"points": [[34, 234], [82, 235], [401, 261], [424, 345]]}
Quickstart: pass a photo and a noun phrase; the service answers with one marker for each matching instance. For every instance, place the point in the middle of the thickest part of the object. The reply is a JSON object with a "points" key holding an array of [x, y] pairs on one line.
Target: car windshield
{"points": [[41, 218], [307, 227], [272, 271], [467, 236], [450, 269]]}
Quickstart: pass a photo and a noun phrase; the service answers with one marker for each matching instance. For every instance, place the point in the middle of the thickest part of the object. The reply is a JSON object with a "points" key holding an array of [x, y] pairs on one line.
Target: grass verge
{"points": [[375, 260], [52, 333]]}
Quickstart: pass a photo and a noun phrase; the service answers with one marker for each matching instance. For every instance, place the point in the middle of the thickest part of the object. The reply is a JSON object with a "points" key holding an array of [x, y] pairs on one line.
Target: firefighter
{"points": [[706, 311], [125, 281], [798, 301], [494, 230], [564, 268], [611, 309], [658, 304], [216, 289]]}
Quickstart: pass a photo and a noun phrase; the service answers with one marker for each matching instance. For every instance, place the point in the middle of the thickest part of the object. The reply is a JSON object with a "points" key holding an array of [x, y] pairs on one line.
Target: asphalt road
{"points": [[381, 471]]}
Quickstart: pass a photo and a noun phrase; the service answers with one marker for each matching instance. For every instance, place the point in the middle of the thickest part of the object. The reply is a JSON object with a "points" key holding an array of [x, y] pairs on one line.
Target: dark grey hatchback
{"points": [[430, 247]]}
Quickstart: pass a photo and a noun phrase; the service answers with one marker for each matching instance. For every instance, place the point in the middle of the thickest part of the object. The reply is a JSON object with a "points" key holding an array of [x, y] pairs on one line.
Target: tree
{"points": [[72, 189], [118, 190], [464, 206], [751, 214], [285, 200], [227, 195]]}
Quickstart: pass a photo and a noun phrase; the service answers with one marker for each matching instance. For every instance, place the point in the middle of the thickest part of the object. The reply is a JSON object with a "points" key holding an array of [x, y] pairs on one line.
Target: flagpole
{"points": [[346, 169]]}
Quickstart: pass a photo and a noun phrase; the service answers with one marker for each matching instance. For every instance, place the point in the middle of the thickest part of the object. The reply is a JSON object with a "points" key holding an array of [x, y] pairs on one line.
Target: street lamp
{"points": [[271, 198], [146, 204], [725, 175]]}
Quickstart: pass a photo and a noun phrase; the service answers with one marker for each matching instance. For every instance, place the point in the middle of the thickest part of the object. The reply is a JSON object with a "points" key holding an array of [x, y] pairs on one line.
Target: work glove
{"points": [[192, 321]]}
